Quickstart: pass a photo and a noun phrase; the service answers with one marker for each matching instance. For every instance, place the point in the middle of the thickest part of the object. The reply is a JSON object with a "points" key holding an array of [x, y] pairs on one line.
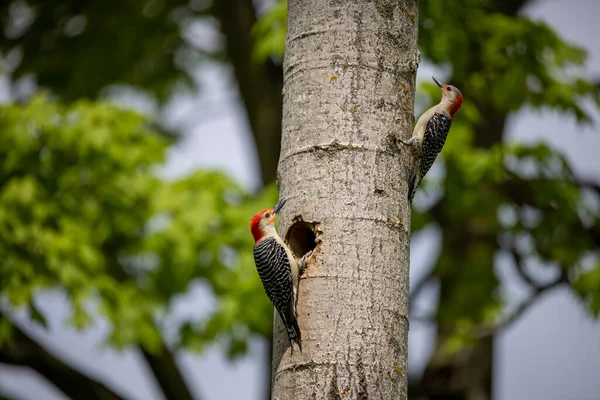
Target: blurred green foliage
{"points": [[77, 48], [81, 209], [269, 32]]}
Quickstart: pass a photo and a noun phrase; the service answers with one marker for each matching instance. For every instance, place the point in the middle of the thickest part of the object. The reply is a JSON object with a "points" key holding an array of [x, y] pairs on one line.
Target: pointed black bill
{"points": [[279, 206], [438, 82]]}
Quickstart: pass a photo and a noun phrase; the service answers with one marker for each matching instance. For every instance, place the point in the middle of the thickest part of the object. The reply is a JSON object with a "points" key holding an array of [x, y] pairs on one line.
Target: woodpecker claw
{"points": [[412, 143], [303, 261]]}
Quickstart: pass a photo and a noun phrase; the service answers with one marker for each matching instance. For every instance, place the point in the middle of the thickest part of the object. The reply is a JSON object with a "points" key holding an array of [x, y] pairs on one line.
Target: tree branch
{"points": [[167, 373], [519, 191], [589, 185], [511, 8], [22, 350], [489, 330], [594, 231], [518, 261], [162, 364], [484, 330], [8, 396]]}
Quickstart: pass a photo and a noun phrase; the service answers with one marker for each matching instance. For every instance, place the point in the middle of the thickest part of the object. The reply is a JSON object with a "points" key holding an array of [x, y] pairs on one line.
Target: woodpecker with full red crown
{"points": [[430, 134], [278, 270]]}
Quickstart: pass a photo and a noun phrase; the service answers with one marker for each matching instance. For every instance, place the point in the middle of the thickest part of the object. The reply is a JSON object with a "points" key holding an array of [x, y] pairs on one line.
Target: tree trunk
{"points": [[349, 81]]}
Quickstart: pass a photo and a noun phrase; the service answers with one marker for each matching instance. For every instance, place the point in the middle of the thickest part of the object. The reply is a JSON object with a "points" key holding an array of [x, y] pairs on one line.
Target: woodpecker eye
{"points": [[267, 215], [448, 88]]}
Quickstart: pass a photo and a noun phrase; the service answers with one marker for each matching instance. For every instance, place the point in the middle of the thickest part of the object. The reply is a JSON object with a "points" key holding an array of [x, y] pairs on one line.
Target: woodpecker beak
{"points": [[437, 82], [279, 206]]}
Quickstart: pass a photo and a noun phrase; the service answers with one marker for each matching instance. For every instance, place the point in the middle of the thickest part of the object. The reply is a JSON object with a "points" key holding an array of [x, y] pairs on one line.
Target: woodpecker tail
{"points": [[293, 330], [413, 182], [412, 190]]}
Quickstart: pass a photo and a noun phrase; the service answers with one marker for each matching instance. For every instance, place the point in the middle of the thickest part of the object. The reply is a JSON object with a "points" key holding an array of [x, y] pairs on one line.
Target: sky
{"points": [[552, 352]]}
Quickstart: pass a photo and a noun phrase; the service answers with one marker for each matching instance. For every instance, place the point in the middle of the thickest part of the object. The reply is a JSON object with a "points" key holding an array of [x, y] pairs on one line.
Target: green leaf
{"points": [[587, 286], [37, 317]]}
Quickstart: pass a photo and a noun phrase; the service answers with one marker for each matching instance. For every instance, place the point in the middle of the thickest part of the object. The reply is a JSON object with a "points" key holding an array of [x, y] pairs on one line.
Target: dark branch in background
{"points": [[162, 363], [167, 373], [492, 329], [513, 7], [518, 261], [587, 184], [539, 290], [520, 191], [8, 396], [260, 84], [22, 350], [593, 231]]}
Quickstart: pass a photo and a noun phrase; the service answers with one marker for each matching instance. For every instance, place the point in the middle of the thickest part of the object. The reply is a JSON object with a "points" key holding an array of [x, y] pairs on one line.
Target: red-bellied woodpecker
{"points": [[278, 270], [430, 134]]}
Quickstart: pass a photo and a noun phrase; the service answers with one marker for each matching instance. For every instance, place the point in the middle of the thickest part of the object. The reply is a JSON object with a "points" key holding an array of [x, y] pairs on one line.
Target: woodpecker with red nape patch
{"points": [[430, 134], [278, 269]]}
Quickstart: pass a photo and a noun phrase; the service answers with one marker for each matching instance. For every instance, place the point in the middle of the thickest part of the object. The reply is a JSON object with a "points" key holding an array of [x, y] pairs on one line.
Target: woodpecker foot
{"points": [[303, 261], [413, 143]]}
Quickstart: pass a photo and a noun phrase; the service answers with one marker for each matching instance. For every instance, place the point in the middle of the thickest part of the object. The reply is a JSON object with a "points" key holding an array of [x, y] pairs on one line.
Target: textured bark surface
{"points": [[349, 81]]}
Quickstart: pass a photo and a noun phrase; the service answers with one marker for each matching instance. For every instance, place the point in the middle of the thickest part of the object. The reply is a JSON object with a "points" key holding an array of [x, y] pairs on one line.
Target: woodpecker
{"points": [[278, 269], [430, 134]]}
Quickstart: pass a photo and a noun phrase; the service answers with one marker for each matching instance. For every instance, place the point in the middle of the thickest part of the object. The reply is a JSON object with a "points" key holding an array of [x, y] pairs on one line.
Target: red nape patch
{"points": [[257, 233], [456, 105]]}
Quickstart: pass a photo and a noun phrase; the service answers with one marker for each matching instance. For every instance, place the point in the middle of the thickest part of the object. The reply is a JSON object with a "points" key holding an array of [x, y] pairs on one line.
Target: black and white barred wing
{"points": [[275, 272], [434, 139]]}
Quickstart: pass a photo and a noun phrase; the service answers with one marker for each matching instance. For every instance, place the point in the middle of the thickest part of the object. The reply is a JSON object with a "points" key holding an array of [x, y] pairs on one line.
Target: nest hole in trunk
{"points": [[301, 237]]}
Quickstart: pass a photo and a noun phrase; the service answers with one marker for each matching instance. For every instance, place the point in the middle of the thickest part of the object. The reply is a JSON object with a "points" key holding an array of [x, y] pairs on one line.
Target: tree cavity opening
{"points": [[301, 237]]}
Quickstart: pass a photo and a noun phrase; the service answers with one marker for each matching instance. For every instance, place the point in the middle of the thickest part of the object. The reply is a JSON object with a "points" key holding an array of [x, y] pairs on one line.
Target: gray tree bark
{"points": [[349, 81]]}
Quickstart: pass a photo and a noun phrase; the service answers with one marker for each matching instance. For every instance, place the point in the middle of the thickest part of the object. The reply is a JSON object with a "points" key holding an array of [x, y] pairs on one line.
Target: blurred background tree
{"points": [[84, 209]]}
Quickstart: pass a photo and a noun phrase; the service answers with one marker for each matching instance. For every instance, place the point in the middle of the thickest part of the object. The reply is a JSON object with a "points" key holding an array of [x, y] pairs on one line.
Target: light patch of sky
{"points": [[551, 353], [215, 131]]}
